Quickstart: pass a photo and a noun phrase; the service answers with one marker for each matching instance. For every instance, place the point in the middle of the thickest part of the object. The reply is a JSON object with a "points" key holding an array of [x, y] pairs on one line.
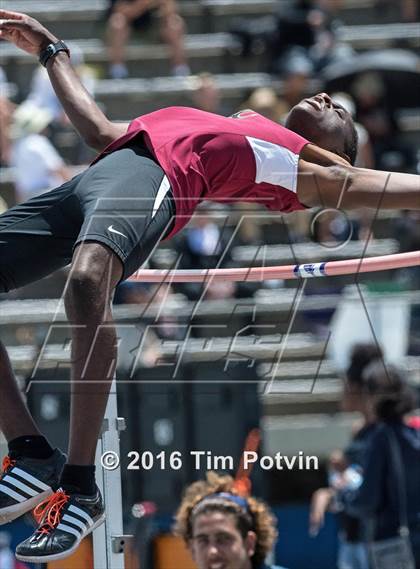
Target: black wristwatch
{"points": [[51, 50]]}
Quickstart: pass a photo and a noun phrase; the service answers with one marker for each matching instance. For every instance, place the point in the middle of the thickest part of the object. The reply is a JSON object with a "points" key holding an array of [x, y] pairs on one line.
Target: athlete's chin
{"points": [[303, 119]]}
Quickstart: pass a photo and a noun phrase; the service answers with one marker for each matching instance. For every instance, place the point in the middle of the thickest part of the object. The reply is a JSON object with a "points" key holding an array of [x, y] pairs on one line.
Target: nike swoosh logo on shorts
{"points": [[162, 191], [112, 230]]}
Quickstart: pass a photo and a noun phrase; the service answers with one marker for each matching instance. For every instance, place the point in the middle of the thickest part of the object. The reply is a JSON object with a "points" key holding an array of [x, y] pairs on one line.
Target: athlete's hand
{"points": [[25, 32]]}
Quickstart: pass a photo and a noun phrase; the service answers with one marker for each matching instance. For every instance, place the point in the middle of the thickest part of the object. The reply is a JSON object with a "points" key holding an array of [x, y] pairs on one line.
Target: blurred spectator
{"points": [[332, 227], [38, 166], [265, 101], [296, 29], [407, 230], [6, 111], [300, 40], [352, 552], [306, 30], [124, 15], [134, 293], [203, 241], [297, 72], [376, 113], [376, 500], [7, 558], [207, 96], [249, 231], [223, 529], [42, 94], [203, 246], [410, 10], [407, 233]]}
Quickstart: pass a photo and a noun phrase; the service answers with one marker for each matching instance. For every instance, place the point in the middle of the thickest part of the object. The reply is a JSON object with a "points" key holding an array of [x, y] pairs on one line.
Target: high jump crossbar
{"points": [[307, 270]]}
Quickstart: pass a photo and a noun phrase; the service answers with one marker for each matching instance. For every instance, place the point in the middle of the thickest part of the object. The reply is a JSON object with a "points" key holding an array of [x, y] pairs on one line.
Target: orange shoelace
{"points": [[49, 510], [7, 463]]}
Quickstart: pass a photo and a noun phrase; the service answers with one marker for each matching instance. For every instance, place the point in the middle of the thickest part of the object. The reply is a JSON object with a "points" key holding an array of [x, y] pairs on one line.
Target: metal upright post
{"points": [[108, 539]]}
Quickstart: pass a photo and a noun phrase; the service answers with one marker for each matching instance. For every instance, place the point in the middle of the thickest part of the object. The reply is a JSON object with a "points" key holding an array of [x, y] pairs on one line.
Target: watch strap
{"points": [[51, 50]]}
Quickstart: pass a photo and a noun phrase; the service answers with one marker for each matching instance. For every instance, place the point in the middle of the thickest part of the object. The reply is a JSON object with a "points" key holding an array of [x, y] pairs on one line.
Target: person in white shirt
{"points": [[37, 165]]}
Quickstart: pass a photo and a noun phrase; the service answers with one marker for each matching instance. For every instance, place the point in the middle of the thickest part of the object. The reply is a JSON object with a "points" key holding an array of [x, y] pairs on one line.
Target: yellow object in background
{"points": [[171, 553], [82, 558]]}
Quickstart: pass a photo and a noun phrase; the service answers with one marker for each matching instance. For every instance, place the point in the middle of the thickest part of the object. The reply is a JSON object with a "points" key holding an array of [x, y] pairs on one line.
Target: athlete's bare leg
{"points": [[94, 274]]}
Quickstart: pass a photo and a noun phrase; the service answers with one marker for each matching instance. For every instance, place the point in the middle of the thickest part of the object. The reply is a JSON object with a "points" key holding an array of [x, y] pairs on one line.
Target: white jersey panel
{"points": [[274, 164]]}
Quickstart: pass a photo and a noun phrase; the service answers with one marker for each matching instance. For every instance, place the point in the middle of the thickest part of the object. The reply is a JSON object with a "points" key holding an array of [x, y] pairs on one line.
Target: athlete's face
{"points": [[321, 121], [218, 544]]}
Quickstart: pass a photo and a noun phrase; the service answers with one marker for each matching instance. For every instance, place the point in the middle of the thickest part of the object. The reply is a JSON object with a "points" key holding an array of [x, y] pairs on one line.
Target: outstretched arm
{"points": [[85, 115], [329, 181]]}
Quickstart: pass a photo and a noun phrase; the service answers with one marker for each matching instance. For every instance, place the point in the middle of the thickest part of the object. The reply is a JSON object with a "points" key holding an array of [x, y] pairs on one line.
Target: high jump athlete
{"points": [[144, 186]]}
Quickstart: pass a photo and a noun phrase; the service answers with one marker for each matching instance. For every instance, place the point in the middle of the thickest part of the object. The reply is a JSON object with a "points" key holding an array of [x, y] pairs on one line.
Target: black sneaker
{"points": [[25, 482], [64, 520]]}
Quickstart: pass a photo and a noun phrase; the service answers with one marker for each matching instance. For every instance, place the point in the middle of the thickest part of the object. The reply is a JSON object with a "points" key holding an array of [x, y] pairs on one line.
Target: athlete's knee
{"points": [[94, 273], [84, 298]]}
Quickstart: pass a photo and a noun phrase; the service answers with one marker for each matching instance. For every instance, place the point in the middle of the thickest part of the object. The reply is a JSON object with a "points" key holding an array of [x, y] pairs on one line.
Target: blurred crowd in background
{"points": [[299, 44]]}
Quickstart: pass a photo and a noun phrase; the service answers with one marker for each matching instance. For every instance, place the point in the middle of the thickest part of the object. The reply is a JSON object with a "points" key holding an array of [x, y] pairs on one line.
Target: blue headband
{"points": [[238, 500]]}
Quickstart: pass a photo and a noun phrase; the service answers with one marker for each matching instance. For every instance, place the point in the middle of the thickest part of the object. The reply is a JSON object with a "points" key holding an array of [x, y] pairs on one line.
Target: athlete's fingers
{"points": [[12, 23], [9, 33], [11, 15]]}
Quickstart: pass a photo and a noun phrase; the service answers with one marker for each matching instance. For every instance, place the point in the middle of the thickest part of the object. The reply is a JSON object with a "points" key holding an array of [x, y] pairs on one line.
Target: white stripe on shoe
{"points": [[19, 508], [74, 521], [15, 482], [12, 493], [68, 529], [81, 513], [30, 478]]}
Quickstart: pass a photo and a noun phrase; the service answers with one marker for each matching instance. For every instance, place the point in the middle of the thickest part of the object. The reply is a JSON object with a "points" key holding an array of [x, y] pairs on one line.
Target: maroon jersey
{"points": [[245, 158]]}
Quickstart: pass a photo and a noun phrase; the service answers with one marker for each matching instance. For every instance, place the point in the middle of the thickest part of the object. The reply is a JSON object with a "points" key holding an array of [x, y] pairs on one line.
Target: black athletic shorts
{"points": [[123, 201]]}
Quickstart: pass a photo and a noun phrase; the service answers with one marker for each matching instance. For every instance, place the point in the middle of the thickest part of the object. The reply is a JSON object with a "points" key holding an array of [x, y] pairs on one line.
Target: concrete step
{"points": [[268, 312], [222, 318], [294, 393], [277, 302], [175, 352], [83, 19], [216, 53], [146, 95]]}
